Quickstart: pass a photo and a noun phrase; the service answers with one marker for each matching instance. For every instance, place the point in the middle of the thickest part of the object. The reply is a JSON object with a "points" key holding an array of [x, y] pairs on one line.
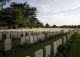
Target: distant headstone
{"points": [[23, 40], [31, 39], [7, 44], [35, 38], [0, 36], [38, 53], [47, 51], [19, 34], [60, 41], [64, 39], [8, 35], [14, 34], [38, 36], [27, 40], [43, 36]]}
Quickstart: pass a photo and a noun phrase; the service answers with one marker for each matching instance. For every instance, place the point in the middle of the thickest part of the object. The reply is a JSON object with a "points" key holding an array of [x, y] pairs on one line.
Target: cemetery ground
{"points": [[75, 49], [29, 50]]}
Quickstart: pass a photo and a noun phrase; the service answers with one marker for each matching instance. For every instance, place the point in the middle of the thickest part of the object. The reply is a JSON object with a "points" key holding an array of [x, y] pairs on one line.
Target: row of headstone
{"points": [[32, 39], [27, 39], [17, 34], [51, 49]]}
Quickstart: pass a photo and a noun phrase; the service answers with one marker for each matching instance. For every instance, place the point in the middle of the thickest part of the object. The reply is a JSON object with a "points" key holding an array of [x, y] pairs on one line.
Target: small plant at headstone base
{"points": [[40, 41], [28, 45]]}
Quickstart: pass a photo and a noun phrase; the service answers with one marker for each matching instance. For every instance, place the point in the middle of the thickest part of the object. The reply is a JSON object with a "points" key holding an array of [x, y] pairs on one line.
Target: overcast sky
{"points": [[59, 12]]}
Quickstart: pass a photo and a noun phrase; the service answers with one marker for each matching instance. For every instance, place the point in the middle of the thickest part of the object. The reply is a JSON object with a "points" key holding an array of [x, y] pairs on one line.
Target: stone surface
{"points": [[54, 48], [7, 44], [23, 40], [0, 36], [60, 41], [64, 39], [47, 51], [31, 39], [35, 38], [38, 53], [8, 35], [27, 40]]}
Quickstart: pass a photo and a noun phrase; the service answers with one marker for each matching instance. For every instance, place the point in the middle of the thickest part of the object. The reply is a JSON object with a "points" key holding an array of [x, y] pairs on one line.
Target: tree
{"points": [[54, 26], [21, 15], [47, 25]]}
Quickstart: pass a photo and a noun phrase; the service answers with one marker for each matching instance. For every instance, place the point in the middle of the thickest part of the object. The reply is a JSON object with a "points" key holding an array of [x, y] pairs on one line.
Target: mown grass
{"points": [[75, 49], [22, 52], [16, 42], [1, 45]]}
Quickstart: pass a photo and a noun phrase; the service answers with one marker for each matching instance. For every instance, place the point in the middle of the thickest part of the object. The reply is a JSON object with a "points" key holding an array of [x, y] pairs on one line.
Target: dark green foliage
{"points": [[19, 15], [75, 49], [47, 25], [64, 49]]}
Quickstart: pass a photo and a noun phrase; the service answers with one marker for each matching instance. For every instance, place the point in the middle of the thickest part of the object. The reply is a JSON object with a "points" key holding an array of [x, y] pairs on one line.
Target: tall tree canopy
{"points": [[21, 15]]}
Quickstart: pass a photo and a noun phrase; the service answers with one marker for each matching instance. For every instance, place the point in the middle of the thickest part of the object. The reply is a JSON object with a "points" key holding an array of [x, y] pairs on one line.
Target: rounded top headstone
{"points": [[27, 56]]}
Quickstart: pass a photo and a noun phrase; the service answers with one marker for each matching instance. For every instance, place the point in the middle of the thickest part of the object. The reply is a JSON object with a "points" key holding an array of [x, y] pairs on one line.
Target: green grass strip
{"points": [[75, 49]]}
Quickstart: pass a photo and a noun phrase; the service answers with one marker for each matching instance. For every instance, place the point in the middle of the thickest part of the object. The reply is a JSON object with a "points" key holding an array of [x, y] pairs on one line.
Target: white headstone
{"points": [[54, 48], [35, 38], [7, 44], [27, 39], [48, 34], [0, 36], [64, 39], [43, 36], [60, 41], [19, 34], [14, 34], [47, 51], [8, 35], [23, 40], [38, 53], [27, 56], [31, 39], [38, 36]]}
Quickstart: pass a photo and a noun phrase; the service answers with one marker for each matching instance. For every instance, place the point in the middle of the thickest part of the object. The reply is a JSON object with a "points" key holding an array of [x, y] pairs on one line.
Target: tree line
{"points": [[19, 15]]}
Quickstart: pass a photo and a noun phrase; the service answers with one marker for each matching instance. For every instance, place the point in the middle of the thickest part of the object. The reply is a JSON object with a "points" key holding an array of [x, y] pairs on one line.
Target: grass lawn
{"points": [[1, 45], [75, 50], [16, 43], [22, 52]]}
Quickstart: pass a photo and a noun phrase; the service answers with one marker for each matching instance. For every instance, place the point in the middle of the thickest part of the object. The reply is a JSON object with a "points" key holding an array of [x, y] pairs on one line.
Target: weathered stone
{"points": [[38, 53], [47, 51], [7, 44]]}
